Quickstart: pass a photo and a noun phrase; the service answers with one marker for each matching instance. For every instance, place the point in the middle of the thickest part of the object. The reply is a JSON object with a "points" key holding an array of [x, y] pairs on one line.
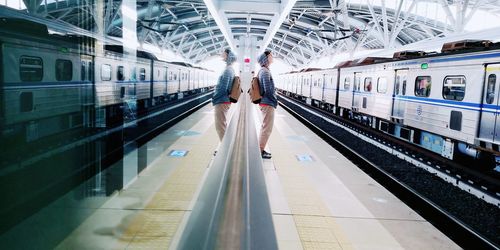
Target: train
{"points": [[445, 102], [52, 83]]}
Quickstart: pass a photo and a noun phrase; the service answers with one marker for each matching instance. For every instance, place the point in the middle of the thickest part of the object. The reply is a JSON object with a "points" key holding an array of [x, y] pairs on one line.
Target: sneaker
{"points": [[265, 155]]}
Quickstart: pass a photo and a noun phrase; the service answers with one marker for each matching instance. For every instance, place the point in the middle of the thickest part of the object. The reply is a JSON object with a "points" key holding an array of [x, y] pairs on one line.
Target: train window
{"points": [[106, 72], [83, 71], [142, 74], [368, 84], [423, 86], [382, 85], [454, 88], [347, 83], [490, 91], [175, 77], [120, 76], [64, 70], [30, 69]]}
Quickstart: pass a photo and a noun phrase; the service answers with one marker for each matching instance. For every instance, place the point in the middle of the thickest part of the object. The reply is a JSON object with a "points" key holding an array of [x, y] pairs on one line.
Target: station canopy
{"points": [[298, 32]]}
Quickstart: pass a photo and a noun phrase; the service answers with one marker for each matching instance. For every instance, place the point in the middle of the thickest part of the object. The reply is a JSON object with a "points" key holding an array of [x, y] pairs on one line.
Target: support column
{"points": [[129, 15], [246, 50]]}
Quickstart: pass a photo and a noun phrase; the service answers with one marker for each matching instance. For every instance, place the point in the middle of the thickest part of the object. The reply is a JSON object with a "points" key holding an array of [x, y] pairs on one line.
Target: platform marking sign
{"points": [[304, 158], [296, 138], [178, 153], [187, 133]]}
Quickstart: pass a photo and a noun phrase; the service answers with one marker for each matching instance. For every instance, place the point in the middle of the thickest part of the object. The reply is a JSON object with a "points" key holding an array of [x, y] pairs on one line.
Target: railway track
{"points": [[449, 223]]}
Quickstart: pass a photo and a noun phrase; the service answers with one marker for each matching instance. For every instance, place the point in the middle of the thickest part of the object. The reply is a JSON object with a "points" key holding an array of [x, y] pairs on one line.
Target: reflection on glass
{"points": [[74, 121]]}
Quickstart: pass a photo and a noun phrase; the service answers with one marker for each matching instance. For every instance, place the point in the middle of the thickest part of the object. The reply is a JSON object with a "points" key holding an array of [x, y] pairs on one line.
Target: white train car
{"points": [[173, 80], [373, 97], [447, 95], [330, 89], [443, 102], [318, 79], [42, 88], [305, 83], [184, 79], [160, 77]]}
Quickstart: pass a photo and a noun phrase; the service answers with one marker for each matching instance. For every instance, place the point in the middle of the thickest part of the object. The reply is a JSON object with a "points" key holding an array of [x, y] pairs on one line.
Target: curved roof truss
{"points": [[297, 31]]}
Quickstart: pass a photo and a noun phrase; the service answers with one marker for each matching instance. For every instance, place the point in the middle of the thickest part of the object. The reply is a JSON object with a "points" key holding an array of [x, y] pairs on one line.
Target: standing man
{"points": [[220, 100], [268, 102]]}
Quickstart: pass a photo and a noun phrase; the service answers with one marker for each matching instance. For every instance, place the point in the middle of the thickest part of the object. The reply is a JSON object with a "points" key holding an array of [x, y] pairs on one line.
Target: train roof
{"points": [[28, 27], [140, 53], [182, 64], [310, 69]]}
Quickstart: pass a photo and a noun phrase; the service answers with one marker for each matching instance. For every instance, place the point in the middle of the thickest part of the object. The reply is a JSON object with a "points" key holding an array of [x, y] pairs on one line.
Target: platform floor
{"points": [[319, 200]]}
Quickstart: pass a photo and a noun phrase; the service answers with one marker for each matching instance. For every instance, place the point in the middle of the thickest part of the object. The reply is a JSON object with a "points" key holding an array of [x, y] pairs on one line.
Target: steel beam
{"points": [[279, 17], [221, 21]]}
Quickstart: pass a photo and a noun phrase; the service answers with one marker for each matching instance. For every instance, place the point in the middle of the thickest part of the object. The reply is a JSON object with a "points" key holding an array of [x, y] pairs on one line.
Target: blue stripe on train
{"points": [[488, 108], [68, 83]]}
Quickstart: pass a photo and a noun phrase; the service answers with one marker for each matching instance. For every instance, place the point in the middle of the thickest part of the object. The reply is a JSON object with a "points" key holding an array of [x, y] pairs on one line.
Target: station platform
{"points": [[318, 198]]}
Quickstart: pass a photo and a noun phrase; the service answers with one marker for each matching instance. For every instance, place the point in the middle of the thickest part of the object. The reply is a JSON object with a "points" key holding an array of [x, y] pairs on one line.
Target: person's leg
{"points": [[267, 125], [220, 119]]}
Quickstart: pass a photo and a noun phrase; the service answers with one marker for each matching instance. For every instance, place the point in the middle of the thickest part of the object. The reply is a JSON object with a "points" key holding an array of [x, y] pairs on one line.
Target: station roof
{"points": [[298, 31]]}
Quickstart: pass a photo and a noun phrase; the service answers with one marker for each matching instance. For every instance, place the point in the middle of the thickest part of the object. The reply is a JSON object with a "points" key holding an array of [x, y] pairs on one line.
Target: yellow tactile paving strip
{"points": [[154, 227], [315, 226]]}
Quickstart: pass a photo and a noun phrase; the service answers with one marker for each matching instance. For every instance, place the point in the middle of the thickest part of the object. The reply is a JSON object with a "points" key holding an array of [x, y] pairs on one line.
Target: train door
{"points": [[398, 105], [166, 81], [356, 104], [302, 82], [311, 78], [490, 122], [179, 80], [87, 89], [323, 83]]}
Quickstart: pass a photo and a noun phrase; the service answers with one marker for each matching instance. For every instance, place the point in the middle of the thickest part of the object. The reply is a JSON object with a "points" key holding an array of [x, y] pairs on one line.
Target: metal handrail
{"points": [[233, 210]]}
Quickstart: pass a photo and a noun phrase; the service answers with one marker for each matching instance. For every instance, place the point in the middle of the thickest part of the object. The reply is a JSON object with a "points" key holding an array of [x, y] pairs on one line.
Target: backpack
{"points": [[254, 91], [235, 90]]}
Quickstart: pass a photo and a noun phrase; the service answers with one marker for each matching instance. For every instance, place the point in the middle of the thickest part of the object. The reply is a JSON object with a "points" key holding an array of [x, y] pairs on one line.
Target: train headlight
{"points": [[424, 66]]}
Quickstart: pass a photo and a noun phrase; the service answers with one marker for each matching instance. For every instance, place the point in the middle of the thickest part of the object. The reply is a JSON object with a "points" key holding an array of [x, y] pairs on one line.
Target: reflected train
{"points": [[53, 83], [445, 102]]}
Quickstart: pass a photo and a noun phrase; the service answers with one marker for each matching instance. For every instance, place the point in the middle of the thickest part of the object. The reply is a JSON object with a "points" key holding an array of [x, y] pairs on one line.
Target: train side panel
{"points": [[159, 79], [39, 83], [330, 88], [431, 106], [173, 79], [317, 85]]}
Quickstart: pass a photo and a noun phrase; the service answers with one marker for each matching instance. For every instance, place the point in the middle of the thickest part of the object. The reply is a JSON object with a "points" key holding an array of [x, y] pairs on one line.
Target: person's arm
{"points": [[227, 80]]}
